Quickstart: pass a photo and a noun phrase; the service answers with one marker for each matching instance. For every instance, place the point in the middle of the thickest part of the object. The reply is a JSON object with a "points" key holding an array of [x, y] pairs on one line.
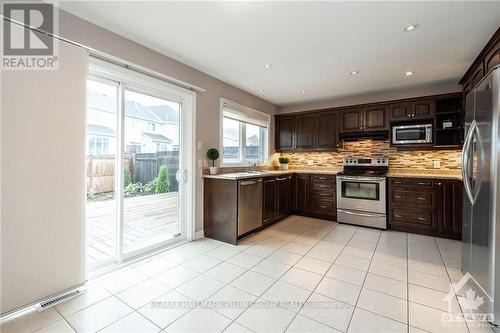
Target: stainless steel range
{"points": [[361, 191]]}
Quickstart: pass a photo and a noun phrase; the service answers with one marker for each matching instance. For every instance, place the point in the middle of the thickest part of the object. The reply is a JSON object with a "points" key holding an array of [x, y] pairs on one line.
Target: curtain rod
{"points": [[117, 61]]}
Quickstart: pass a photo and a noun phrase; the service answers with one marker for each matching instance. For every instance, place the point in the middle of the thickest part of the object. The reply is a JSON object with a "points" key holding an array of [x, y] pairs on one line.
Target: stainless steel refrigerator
{"points": [[481, 212]]}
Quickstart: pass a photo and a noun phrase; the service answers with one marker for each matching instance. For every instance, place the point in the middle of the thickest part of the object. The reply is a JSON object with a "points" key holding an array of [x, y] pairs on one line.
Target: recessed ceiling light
{"points": [[260, 90], [267, 65], [410, 27], [409, 73], [303, 91], [354, 73]]}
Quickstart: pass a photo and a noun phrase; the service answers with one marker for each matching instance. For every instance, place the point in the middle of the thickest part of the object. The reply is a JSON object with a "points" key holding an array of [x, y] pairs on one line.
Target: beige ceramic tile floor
{"points": [[300, 275]]}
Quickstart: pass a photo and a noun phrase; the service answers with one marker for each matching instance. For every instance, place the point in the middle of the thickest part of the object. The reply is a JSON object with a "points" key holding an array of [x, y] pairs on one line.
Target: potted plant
{"points": [[284, 163], [212, 155]]}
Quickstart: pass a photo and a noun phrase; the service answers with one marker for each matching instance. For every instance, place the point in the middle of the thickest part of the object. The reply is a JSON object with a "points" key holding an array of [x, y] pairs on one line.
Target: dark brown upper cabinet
{"points": [[373, 118], [376, 118], [285, 133], [492, 58], [400, 111], [424, 109], [295, 133], [352, 120], [328, 135], [407, 111], [305, 134], [488, 58]]}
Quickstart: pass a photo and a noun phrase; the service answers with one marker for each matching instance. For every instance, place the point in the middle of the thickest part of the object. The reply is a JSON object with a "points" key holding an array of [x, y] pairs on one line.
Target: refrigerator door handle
{"points": [[466, 161]]}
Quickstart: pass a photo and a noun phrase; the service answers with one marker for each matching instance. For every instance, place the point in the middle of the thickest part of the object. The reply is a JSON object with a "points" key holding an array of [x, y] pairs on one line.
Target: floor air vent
{"points": [[59, 298]]}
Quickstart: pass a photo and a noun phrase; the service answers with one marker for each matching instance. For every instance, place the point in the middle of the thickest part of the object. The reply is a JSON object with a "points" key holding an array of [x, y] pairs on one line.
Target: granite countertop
{"points": [[434, 174], [427, 173], [270, 173]]}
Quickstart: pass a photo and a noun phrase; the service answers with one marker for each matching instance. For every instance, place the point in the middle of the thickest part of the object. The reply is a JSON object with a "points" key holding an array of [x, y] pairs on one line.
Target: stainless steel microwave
{"points": [[411, 134]]}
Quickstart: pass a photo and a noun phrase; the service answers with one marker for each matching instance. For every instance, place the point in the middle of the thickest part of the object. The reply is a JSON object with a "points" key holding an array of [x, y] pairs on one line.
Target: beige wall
{"points": [[428, 89], [43, 184], [207, 103]]}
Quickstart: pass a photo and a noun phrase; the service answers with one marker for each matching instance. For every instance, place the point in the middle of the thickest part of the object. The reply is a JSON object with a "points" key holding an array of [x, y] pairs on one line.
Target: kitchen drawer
{"points": [[417, 219], [323, 193], [323, 184], [322, 177], [412, 198], [424, 183], [324, 206]]}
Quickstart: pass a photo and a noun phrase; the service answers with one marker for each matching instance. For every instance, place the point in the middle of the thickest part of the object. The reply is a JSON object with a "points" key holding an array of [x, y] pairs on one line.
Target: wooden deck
{"points": [[145, 218]]}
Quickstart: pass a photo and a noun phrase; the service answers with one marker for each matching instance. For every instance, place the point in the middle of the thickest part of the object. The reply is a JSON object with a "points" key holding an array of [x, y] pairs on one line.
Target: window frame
{"points": [[242, 142]]}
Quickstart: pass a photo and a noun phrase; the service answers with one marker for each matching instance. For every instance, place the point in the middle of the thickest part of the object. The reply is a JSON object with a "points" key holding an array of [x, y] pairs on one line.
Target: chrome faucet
{"points": [[253, 166]]}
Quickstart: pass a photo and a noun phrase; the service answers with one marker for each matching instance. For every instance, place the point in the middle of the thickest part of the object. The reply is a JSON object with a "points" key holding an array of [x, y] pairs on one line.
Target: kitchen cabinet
{"points": [[302, 202], [449, 208], [328, 134], [372, 118], [430, 207], [276, 198], [284, 198], [305, 132], [285, 133], [408, 111], [296, 132], [268, 200], [488, 58], [376, 118], [352, 120], [492, 58], [315, 195]]}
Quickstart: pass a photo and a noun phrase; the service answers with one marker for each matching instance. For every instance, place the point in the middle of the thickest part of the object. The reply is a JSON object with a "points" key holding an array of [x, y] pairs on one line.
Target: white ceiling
{"points": [[311, 45]]}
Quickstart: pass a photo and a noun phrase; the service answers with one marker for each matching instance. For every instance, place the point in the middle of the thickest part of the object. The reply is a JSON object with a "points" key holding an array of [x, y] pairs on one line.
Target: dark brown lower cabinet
{"points": [[449, 208], [284, 199], [276, 198], [268, 200], [423, 206], [302, 202], [315, 195]]}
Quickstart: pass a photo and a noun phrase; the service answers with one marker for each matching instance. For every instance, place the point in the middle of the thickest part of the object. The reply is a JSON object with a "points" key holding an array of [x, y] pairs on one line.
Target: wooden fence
{"points": [[143, 168]]}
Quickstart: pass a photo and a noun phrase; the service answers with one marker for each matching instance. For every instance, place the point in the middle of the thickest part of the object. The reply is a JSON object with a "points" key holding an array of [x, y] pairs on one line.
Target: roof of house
{"points": [[157, 137], [157, 113], [100, 130]]}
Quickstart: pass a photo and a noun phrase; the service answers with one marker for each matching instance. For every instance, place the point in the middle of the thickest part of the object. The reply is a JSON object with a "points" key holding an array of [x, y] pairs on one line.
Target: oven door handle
{"points": [[362, 179], [359, 214]]}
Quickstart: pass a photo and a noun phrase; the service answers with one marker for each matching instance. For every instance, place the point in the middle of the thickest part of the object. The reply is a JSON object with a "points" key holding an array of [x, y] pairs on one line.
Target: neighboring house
{"points": [[147, 129]]}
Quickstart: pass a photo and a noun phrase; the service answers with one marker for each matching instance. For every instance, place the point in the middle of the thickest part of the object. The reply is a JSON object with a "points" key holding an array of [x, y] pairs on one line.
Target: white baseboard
{"points": [[199, 234]]}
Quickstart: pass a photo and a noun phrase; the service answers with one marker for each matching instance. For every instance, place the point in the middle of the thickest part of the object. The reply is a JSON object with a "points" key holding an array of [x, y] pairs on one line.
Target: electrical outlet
{"points": [[437, 164], [310, 162], [199, 145]]}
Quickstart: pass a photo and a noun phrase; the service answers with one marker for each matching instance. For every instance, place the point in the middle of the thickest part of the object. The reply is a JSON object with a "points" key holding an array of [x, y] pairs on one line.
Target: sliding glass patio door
{"points": [[151, 162], [136, 165]]}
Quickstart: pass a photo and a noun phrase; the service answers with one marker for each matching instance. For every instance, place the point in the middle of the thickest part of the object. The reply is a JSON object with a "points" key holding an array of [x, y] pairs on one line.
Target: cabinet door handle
{"points": [[422, 219], [396, 215], [323, 206], [420, 198], [282, 178], [324, 195], [423, 183], [397, 196], [397, 182]]}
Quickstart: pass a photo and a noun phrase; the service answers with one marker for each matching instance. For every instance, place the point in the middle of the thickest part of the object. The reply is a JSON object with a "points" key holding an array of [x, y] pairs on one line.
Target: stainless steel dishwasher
{"points": [[249, 205]]}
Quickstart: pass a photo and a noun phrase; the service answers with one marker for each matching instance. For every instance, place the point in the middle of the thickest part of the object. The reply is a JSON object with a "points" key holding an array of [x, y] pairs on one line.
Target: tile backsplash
{"points": [[398, 159]]}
